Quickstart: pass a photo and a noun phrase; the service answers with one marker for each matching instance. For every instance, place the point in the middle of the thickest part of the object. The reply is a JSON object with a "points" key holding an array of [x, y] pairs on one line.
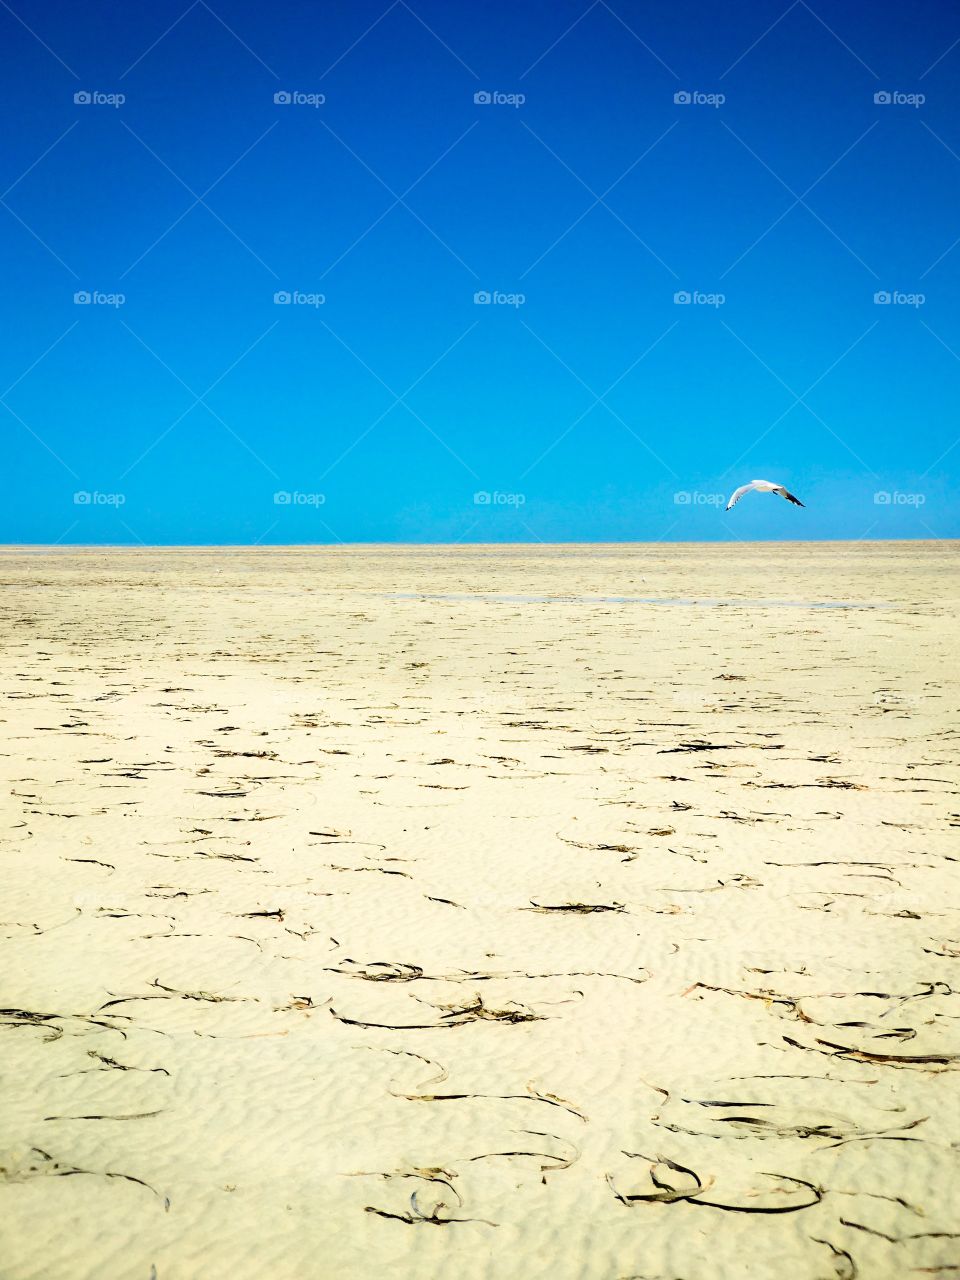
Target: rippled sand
{"points": [[480, 912]]}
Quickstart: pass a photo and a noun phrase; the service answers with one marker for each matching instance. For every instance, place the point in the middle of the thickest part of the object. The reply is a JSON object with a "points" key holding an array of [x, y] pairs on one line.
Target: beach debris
{"points": [[555, 1161], [456, 1015], [670, 1182], [167, 993], [574, 908], [532, 1095], [37, 1163]]}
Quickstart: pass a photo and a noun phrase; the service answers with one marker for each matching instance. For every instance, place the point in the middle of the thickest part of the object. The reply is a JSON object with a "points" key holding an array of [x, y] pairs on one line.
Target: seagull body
{"points": [[763, 486]]}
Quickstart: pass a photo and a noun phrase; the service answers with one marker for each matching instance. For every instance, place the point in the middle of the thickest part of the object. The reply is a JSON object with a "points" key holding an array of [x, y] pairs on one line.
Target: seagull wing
{"points": [[789, 496], [738, 494]]}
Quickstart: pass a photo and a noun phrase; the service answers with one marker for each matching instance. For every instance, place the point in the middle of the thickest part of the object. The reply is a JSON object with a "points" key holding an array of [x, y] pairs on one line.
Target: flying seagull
{"points": [[763, 486]]}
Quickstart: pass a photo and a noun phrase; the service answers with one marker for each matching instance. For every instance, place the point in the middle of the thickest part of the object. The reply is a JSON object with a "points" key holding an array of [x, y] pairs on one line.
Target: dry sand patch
{"points": [[480, 911]]}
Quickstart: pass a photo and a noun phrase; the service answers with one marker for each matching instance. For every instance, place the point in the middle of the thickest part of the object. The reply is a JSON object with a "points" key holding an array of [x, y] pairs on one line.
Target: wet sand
{"points": [[488, 912]]}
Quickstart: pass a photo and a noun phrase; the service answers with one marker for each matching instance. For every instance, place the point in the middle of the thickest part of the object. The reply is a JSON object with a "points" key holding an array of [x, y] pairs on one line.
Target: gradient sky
{"points": [[588, 411]]}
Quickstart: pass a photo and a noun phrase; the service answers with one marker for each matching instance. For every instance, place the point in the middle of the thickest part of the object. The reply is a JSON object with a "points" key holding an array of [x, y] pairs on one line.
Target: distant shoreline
{"points": [[466, 546]]}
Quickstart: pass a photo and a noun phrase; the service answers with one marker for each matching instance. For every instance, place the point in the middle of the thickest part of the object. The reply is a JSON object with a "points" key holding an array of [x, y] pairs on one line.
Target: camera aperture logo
{"points": [[94, 98], [94, 298], [485, 498], [296, 298], [495, 298], [94, 498], [494, 98], [294, 498], [294, 98]]}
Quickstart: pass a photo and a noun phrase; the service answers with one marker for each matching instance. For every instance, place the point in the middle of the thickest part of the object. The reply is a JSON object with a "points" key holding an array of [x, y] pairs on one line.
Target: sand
{"points": [[482, 912]]}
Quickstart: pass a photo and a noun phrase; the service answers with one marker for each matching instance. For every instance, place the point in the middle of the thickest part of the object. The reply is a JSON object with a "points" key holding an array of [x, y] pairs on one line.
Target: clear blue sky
{"points": [[583, 410]]}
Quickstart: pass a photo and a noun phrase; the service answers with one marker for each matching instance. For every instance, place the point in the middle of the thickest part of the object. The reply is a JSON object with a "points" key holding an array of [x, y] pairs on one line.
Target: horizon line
{"points": [[341, 544]]}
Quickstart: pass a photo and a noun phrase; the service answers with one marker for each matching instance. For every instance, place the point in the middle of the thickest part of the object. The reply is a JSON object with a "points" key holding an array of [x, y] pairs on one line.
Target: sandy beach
{"points": [[416, 912]]}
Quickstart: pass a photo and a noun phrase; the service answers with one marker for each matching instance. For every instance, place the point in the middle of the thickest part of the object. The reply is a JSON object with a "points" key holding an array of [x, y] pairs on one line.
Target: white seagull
{"points": [[763, 486]]}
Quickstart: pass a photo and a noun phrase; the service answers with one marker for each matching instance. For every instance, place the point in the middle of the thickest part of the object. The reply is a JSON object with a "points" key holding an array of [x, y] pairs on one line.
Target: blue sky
{"points": [[184, 404]]}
